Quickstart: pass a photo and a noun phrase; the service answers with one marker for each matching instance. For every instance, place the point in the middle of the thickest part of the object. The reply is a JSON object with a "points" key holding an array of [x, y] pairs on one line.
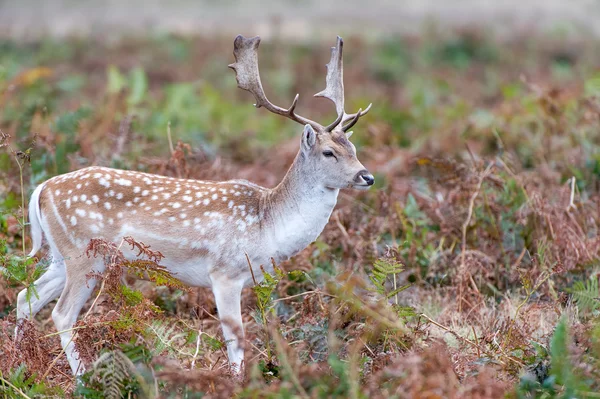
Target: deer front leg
{"points": [[228, 296]]}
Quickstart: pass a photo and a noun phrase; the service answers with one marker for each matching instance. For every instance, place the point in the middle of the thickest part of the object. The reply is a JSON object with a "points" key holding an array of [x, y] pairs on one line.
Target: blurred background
{"points": [[298, 19], [469, 270]]}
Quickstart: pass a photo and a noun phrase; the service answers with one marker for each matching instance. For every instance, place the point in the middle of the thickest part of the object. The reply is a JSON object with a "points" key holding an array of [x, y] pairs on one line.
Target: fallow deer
{"points": [[205, 229]]}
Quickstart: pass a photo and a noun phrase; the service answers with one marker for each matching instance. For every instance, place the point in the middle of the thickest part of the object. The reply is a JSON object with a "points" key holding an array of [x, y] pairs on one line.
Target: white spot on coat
{"points": [[123, 182]]}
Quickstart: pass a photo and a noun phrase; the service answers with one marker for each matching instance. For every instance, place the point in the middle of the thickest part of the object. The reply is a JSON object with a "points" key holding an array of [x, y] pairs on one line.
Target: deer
{"points": [[209, 232]]}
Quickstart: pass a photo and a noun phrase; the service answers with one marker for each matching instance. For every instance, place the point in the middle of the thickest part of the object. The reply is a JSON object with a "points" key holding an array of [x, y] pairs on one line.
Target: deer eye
{"points": [[328, 153]]}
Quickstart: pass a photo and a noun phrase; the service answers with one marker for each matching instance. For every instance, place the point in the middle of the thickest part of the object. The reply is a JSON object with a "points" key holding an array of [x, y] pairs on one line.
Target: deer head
{"points": [[325, 150]]}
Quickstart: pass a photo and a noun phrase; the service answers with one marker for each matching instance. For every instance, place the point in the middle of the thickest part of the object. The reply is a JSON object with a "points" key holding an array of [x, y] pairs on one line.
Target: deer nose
{"points": [[368, 178]]}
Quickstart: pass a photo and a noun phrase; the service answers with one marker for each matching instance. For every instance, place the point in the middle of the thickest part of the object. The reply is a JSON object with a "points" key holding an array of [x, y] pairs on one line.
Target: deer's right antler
{"points": [[245, 51], [334, 90]]}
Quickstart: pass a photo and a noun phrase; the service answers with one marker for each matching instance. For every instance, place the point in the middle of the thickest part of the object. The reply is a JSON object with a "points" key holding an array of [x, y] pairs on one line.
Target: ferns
{"points": [[112, 368], [165, 334], [113, 375], [150, 270], [586, 295], [384, 269]]}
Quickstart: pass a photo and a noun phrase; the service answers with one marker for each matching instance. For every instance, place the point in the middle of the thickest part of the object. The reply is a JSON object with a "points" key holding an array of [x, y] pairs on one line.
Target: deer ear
{"points": [[309, 138], [348, 134]]}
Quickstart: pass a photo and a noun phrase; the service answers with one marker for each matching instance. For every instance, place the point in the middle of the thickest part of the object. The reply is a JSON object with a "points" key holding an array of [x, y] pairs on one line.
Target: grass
{"points": [[470, 270]]}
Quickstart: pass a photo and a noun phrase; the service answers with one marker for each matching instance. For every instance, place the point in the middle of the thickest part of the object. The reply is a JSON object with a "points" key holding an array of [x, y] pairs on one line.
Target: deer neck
{"points": [[297, 210]]}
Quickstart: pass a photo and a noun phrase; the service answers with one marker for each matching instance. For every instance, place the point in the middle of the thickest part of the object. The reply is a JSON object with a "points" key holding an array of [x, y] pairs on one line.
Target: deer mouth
{"points": [[362, 187]]}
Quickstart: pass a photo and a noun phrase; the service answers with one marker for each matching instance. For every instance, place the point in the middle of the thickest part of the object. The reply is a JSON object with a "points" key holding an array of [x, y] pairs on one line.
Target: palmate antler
{"points": [[245, 51], [335, 89]]}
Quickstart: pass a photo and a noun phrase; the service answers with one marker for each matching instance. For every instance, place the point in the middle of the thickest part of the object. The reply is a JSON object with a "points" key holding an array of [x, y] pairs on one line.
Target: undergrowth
{"points": [[469, 271]]}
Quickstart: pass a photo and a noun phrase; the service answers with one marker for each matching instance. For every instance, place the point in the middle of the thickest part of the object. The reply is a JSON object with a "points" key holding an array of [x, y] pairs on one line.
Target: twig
{"points": [[572, 198], [5, 381], [302, 294], [250, 266], [124, 127], [476, 341], [465, 227], [283, 361], [169, 137], [367, 346], [359, 203], [74, 328], [86, 315], [519, 259], [260, 352], [470, 211], [435, 323], [341, 227], [72, 337], [197, 350]]}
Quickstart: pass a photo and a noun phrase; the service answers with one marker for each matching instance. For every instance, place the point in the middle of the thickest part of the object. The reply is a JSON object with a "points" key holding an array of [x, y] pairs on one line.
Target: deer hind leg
{"points": [[228, 296], [76, 292], [47, 287]]}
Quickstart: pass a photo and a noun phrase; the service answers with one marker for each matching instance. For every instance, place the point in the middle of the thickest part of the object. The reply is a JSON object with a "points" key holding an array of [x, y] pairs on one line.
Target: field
{"points": [[470, 269]]}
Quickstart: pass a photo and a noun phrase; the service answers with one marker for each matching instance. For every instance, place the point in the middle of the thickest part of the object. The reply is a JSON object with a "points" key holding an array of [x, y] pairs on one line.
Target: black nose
{"points": [[368, 178]]}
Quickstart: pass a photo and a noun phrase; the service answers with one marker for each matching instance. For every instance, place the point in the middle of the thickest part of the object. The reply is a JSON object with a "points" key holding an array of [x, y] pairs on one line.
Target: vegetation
{"points": [[469, 271]]}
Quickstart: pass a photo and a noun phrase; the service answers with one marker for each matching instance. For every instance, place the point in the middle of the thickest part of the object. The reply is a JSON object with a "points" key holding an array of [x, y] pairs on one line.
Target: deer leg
{"points": [[76, 292], [228, 296], [47, 287]]}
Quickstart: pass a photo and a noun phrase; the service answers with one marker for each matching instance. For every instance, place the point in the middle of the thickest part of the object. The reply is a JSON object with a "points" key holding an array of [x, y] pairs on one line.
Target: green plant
{"points": [[264, 300], [563, 380], [19, 385], [586, 294], [386, 270], [113, 375], [383, 270], [20, 269]]}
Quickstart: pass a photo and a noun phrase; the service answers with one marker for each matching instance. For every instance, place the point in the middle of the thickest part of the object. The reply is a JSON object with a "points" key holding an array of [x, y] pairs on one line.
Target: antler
{"points": [[248, 78], [334, 90]]}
